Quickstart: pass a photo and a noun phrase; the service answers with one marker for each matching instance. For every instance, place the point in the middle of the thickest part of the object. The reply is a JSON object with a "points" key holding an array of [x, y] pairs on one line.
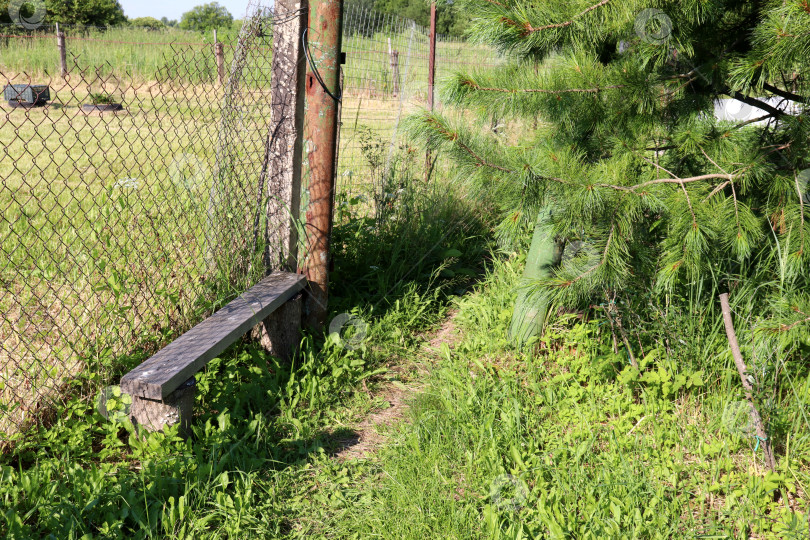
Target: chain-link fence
{"points": [[132, 205], [136, 200], [384, 79]]}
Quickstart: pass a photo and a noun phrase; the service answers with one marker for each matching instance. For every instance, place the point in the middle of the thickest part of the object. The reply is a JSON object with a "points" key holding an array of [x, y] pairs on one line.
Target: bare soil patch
{"points": [[373, 432]]}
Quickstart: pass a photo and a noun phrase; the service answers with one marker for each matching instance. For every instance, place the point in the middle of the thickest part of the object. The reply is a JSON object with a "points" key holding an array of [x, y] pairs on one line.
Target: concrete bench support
{"points": [[280, 333], [176, 408]]}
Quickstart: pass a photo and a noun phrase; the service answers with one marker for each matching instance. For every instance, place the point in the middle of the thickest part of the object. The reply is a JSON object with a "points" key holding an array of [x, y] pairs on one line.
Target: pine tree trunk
{"points": [[531, 309]]}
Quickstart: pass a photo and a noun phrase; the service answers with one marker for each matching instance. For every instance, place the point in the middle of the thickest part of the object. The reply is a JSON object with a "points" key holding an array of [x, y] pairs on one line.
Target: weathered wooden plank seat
{"points": [[162, 387]]}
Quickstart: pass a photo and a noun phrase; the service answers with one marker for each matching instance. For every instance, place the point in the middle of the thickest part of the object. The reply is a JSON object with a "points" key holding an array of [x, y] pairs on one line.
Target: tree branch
{"points": [[729, 177], [785, 94], [475, 86], [754, 102], [752, 121], [742, 369], [529, 29]]}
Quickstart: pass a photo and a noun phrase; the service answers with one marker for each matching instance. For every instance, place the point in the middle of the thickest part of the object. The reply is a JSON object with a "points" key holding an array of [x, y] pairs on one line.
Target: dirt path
{"points": [[372, 432]]}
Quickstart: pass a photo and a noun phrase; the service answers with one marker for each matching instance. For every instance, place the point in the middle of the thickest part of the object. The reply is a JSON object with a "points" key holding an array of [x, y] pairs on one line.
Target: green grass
{"points": [[264, 432], [107, 228], [562, 440], [137, 52], [568, 442], [106, 231]]}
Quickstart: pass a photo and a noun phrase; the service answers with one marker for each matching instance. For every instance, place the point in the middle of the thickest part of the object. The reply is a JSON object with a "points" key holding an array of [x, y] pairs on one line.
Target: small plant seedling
{"points": [[102, 98]]}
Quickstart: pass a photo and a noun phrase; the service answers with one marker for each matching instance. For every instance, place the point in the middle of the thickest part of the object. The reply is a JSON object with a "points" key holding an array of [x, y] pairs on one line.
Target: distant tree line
{"points": [[110, 13], [449, 19], [83, 12]]}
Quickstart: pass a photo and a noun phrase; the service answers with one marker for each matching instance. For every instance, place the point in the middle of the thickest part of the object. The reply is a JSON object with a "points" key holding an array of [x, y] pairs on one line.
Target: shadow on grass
{"points": [[425, 238]]}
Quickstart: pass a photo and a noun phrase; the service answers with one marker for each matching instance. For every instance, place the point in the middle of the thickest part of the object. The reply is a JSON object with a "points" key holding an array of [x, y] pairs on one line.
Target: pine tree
{"points": [[628, 152], [629, 157]]}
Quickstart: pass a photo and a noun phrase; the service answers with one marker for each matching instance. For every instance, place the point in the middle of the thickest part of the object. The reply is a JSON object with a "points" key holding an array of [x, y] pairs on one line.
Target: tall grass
{"points": [[128, 52], [568, 441], [264, 432]]}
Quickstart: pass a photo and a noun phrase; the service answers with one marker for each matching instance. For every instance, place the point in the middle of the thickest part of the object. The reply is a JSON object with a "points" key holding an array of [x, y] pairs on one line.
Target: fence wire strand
{"points": [[385, 79]]}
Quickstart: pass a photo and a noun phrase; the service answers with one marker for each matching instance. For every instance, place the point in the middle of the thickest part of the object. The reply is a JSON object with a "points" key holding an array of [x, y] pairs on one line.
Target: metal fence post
{"points": [[60, 44], [431, 77], [219, 55], [323, 95], [432, 56], [394, 55]]}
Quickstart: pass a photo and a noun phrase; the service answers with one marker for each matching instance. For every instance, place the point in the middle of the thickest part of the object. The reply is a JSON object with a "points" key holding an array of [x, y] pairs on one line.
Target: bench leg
{"points": [[176, 408], [280, 333]]}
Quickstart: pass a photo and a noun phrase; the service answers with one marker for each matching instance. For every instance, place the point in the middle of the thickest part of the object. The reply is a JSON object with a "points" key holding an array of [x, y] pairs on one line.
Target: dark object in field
{"points": [[101, 102], [26, 95], [102, 107]]}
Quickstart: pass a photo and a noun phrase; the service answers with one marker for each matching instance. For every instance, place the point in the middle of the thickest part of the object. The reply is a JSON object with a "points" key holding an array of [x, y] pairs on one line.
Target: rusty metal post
{"points": [[432, 55], [394, 55], [431, 76], [323, 93]]}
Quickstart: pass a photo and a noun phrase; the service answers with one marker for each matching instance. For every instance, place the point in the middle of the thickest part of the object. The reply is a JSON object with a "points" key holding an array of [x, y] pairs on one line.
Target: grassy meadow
{"points": [[132, 52], [562, 440], [103, 231]]}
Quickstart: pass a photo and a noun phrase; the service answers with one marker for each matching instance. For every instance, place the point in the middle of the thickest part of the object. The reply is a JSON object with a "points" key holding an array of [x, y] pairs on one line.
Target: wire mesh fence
{"points": [[138, 52], [139, 198], [385, 79], [131, 207]]}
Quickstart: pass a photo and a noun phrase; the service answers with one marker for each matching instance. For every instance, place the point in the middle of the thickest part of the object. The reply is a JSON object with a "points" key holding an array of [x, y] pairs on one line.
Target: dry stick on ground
{"points": [[746, 382], [633, 361], [611, 312]]}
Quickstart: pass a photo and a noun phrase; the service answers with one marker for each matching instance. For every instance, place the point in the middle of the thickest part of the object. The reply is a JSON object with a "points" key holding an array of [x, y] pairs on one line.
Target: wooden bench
{"points": [[162, 387]]}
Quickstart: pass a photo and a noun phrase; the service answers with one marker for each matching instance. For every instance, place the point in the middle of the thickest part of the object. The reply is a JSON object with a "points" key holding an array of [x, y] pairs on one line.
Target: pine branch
{"points": [[729, 177], [785, 94], [566, 23], [752, 121], [716, 190], [528, 29], [788, 327], [469, 83], [453, 137], [754, 102]]}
